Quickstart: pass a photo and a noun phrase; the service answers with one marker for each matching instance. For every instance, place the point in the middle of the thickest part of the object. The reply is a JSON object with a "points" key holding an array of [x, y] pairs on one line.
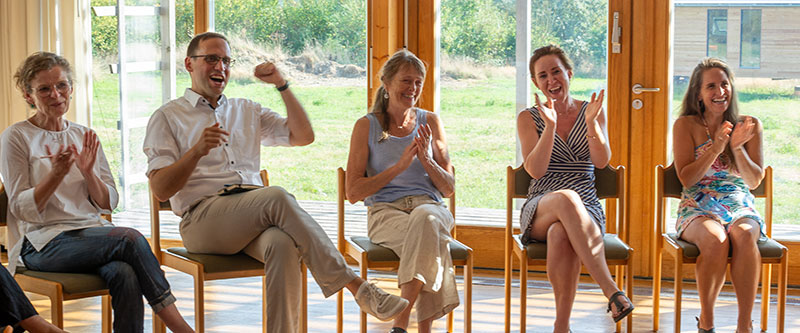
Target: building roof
{"points": [[736, 3]]}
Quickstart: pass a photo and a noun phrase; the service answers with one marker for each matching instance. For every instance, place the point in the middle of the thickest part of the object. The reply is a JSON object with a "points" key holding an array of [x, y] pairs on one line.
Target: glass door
{"points": [[755, 42], [145, 75]]}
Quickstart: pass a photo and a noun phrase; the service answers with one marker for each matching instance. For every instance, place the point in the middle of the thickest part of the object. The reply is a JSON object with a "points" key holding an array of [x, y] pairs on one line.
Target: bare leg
{"points": [[710, 238], [173, 319], [37, 324], [425, 325], [354, 284], [745, 268], [409, 291], [565, 206], [563, 270]]}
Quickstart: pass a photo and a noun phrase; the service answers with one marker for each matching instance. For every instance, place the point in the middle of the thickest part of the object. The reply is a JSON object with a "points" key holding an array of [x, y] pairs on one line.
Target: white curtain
{"points": [[60, 26]]}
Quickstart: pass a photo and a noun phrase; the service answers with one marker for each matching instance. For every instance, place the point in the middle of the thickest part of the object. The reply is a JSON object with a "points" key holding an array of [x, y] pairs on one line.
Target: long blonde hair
{"points": [[692, 105], [388, 71]]}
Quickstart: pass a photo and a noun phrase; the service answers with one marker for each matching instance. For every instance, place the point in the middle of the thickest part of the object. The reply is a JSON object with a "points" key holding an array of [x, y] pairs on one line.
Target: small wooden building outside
{"points": [[757, 38]]}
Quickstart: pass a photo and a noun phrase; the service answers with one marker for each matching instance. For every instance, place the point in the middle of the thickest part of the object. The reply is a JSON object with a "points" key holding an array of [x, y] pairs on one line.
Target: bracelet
{"points": [[591, 136], [284, 87]]}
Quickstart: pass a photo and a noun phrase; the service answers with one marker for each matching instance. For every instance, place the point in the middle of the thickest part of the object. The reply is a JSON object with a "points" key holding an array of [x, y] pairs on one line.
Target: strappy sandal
{"points": [[623, 311], [700, 330]]}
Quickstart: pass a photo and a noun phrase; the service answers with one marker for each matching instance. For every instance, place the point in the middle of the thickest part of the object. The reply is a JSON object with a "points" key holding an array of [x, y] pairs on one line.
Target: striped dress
{"points": [[570, 168]]}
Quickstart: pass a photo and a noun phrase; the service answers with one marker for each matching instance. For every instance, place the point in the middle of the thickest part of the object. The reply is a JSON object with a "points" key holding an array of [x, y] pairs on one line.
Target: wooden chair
{"points": [[610, 184], [669, 186], [207, 267], [370, 255], [60, 287]]}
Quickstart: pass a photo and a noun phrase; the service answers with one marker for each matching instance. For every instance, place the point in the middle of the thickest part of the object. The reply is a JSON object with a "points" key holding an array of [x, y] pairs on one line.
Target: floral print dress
{"points": [[721, 195]]}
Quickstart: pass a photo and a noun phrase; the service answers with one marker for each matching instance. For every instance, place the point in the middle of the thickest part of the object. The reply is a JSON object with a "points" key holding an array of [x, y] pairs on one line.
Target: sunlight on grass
{"points": [[479, 120]]}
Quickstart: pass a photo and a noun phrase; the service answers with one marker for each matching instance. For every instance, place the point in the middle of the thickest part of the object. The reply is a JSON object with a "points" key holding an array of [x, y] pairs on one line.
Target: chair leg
{"points": [[618, 277], [507, 277], [523, 292], [304, 301], [199, 300], [363, 267], [450, 320], [468, 296], [57, 307], [782, 280], [678, 292], [339, 311], [766, 286], [106, 314], [629, 283], [657, 288], [263, 304]]}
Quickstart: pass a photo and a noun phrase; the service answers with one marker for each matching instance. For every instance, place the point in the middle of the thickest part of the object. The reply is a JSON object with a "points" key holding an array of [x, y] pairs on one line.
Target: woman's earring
{"points": [[386, 95]]}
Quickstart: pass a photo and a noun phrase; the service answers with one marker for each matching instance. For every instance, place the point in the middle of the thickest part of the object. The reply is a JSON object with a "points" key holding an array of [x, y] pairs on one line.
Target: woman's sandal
{"points": [[700, 330], [623, 311]]}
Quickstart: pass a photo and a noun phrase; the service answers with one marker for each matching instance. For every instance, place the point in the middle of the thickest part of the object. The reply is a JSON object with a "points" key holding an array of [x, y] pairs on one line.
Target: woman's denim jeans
{"points": [[121, 256]]}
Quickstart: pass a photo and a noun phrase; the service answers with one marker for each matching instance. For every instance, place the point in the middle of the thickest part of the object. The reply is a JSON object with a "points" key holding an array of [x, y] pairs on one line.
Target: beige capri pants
{"points": [[417, 229]]}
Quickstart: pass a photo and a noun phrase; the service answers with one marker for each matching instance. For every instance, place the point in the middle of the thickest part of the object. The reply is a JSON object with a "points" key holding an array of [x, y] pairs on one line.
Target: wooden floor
{"points": [[235, 305]]}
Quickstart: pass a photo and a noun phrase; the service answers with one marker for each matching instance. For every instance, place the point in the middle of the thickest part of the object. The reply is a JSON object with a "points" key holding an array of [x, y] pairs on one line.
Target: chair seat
{"points": [[71, 283], [615, 248], [768, 249], [219, 263], [377, 253]]}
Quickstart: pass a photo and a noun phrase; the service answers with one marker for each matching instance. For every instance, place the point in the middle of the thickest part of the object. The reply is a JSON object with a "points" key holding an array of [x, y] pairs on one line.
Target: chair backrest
{"points": [[342, 197], [155, 219], [609, 183], [668, 185]]}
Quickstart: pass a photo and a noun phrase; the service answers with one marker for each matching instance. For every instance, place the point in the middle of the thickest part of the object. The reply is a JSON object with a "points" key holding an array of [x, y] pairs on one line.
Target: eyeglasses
{"points": [[46, 90], [213, 59]]}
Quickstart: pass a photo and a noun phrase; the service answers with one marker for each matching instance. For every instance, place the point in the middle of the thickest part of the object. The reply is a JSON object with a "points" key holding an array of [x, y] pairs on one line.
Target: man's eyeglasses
{"points": [[213, 59], [46, 90]]}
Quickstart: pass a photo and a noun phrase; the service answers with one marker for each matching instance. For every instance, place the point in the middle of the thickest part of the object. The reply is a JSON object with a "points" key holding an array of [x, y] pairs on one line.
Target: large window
{"points": [[320, 47], [750, 52], [478, 87], [717, 33], [765, 89]]}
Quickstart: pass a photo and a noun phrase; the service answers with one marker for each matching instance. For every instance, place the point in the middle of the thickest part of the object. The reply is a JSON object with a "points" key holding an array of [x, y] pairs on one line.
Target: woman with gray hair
{"points": [[59, 185], [399, 165]]}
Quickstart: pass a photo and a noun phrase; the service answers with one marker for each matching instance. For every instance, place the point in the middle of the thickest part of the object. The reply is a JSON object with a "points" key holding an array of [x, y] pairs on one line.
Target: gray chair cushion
{"points": [[218, 263], [769, 248], [71, 283], [615, 248], [377, 253]]}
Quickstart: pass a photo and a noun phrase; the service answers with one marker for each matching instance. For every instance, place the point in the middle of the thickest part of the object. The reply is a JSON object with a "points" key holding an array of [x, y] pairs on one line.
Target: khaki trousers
{"points": [[269, 225], [417, 229]]}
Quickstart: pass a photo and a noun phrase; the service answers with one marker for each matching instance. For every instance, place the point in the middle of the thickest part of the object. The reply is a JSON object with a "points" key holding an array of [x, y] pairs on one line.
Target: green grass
{"points": [[479, 121]]}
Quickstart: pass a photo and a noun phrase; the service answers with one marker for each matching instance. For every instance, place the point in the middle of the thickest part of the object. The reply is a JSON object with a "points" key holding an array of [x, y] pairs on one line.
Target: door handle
{"points": [[638, 89]]}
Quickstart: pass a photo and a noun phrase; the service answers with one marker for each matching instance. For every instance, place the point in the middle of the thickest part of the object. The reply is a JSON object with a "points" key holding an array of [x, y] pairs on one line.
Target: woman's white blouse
{"points": [[22, 166]]}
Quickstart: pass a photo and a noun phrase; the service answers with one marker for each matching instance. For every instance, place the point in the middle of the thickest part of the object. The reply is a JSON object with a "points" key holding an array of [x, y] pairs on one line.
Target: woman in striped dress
{"points": [[563, 140]]}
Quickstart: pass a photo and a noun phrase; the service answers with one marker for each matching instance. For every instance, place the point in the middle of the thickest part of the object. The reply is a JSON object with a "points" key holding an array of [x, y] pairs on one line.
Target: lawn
{"points": [[480, 126]]}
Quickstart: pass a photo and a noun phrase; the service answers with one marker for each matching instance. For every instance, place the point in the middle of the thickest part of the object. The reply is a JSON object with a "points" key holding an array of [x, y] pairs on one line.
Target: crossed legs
{"points": [[715, 244], [562, 216]]}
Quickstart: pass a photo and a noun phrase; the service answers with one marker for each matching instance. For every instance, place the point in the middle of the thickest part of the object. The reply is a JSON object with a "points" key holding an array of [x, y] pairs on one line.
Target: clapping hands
{"points": [[418, 147], [721, 137], [66, 155], [547, 111], [595, 106], [742, 133]]}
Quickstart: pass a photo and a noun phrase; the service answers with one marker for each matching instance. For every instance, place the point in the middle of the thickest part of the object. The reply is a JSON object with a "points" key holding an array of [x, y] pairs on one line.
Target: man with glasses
{"points": [[202, 142]]}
